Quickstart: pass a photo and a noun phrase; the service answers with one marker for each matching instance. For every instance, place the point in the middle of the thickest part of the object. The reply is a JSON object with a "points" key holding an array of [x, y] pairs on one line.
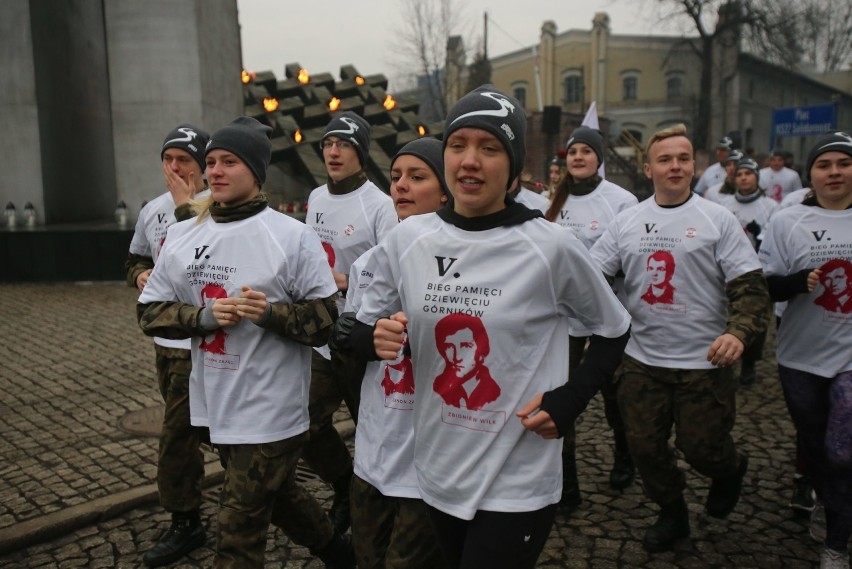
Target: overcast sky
{"points": [[323, 35]]}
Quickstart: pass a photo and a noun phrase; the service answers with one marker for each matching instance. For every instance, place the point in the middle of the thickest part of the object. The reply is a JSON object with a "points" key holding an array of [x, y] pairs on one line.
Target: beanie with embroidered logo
{"points": [[734, 156], [352, 128], [490, 109], [190, 139], [833, 142], [749, 164]]}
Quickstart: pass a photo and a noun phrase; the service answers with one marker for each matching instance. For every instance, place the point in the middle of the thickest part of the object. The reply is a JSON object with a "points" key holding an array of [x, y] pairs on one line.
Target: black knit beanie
{"points": [[431, 151], [834, 142], [349, 126], [590, 136], [190, 139], [249, 140], [749, 164], [490, 109]]}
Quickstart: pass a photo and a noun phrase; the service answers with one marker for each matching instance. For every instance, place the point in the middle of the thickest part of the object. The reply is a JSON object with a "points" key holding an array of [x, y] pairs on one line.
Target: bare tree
{"points": [[826, 26], [425, 29], [479, 71], [815, 32], [714, 21], [786, 32]]}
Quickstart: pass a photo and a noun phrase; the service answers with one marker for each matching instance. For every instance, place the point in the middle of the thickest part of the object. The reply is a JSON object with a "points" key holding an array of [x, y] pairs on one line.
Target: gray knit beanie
{"points": [[249, 140], [431, 151], [589, 136]]}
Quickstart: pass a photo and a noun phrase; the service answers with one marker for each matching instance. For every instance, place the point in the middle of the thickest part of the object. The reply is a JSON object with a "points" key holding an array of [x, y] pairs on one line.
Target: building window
{"points": [[519, 91], [629, 85], [573, 89], [673, 87]]}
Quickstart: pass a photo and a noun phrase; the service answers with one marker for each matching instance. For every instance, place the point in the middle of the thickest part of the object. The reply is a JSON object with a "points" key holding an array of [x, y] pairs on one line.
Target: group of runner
{"points": [[446, 336]]}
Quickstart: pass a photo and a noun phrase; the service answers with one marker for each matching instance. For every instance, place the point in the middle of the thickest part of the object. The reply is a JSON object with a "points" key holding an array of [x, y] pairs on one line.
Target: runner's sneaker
{"points": [[831, 559], [803, 496]]}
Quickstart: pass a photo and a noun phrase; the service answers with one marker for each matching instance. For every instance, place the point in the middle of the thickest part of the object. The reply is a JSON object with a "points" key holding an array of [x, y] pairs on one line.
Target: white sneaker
{"points": [[817, 529], [831, 559]]}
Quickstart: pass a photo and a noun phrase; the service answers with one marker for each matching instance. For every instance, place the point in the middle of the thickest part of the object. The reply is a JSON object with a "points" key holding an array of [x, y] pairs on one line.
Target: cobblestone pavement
{"points": [[76, 490]]}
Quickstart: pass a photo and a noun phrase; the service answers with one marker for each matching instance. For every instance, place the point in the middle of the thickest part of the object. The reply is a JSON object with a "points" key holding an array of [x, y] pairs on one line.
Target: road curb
{"points": [[60, 523]]}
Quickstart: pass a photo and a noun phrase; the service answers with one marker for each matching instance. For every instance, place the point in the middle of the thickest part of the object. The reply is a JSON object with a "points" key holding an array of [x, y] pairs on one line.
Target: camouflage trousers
{"points": [[701, 404], [180, 465], [325, 452], [391, 533], [260, 488]]}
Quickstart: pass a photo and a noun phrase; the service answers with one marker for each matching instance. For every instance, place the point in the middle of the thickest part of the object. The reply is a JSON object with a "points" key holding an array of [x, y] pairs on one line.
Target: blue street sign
{"points": [[803, 121]]}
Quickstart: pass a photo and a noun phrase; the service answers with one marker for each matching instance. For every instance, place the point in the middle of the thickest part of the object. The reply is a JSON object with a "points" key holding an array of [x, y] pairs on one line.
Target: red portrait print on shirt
{"points": [[836, 281], [466, 381], [660, 269], [329, 251], [399, 374], [214, 343]]}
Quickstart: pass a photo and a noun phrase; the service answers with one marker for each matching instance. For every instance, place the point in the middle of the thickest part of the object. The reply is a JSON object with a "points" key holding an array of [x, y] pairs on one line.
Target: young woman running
{"points": [[484, 290], [586, 203], [258, 281], [390, 523], [807, 256]]}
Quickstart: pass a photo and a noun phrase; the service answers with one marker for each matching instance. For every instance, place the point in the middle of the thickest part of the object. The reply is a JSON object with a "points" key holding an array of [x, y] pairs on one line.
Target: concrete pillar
{"points": [[547, 63], [169, 63], [600, 36], [20, 143], [72, 90]]}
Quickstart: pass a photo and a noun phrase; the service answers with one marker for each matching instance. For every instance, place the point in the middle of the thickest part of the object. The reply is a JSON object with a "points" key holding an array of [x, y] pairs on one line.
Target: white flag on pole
{"points": [[591, 121]]}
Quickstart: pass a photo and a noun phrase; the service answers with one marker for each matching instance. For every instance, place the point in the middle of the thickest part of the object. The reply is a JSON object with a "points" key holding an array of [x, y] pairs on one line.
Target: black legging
{"points": [[497, 540]]}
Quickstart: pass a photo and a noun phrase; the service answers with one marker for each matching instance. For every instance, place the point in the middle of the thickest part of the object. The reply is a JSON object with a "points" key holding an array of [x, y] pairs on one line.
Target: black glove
{"points": [[753, 228]]}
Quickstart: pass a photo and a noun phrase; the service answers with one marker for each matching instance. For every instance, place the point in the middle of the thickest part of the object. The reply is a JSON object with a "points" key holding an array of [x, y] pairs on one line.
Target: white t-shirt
{"points": [[532, 200], [794, 198], [676, 262], [349, 225], [816, 332], [714, 174], [589, 216], [384, 439], [759, 211], [714, 193], [248, 385], [497, 303], [148, 237], [780, 184]]}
